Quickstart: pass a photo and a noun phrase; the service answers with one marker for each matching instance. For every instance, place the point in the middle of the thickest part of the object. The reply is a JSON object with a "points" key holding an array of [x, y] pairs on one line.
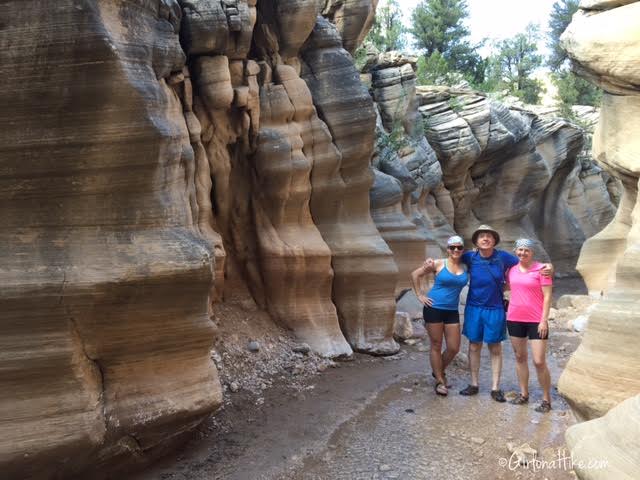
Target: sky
{"points": [[497, 19]]}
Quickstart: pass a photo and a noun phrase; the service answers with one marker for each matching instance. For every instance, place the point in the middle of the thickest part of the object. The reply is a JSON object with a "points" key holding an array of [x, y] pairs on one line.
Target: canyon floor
{"points": [[379, 418]]}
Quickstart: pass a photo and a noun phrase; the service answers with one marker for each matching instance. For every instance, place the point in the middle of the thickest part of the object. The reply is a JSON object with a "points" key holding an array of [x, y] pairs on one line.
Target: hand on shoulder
{"points": [[429, 265], [547, 270]]}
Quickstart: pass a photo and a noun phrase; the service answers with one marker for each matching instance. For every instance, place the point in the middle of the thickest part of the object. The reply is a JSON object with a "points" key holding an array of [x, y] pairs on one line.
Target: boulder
{"points": [[402, 327], [579, 302], [619, 455], [418, 328]]}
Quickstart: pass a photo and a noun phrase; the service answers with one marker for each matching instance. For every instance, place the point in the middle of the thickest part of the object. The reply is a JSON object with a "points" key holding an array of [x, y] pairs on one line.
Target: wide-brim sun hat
{"points": [[485, 228]]}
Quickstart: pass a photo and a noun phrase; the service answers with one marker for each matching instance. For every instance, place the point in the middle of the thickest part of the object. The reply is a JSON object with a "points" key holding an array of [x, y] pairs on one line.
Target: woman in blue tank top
{"points": [[441, 308]]}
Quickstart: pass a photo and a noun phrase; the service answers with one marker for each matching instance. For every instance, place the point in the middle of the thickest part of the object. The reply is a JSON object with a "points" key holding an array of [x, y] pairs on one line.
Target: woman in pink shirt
{"points": [[527, 318]]}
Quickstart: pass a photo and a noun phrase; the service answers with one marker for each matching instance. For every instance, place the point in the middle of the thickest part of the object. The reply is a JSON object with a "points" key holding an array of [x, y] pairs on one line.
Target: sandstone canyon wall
{"points": [[105, 271], [158, 157], [450, 159], [601, 380], [161, 157]]}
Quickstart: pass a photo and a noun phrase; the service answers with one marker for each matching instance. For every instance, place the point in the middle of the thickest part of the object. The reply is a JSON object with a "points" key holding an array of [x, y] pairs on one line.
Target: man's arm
{"points": [[547, 270], [509, 259], [429, 265]]}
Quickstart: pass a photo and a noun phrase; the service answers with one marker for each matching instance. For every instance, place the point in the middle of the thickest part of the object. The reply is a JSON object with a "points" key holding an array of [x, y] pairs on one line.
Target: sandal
{"points": [[441, 389], [544, 407], [447, 384], [519, 400], [470, 390], [498, 396]]}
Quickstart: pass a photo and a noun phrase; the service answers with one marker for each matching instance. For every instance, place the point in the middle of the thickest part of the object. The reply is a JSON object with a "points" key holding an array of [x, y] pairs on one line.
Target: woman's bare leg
{"points": [[539, 353], [435, 331], [452, 341], [522, 368]]}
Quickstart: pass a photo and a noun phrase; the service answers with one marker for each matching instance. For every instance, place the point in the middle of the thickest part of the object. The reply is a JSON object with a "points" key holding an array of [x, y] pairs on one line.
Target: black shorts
{"points": [[524, 330], [437, 315]]}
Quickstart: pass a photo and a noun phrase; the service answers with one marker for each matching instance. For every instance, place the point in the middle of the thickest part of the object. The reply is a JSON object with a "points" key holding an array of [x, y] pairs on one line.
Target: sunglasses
{"points": [[455, 247]]}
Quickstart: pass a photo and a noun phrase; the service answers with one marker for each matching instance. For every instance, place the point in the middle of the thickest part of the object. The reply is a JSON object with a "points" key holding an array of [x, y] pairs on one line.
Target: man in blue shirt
{"points": [[484, 315]]}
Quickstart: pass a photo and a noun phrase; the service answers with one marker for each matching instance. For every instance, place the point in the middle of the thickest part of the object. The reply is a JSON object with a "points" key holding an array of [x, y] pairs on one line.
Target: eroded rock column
{"points": [[294, 259], [604, 45], [364, 269]]}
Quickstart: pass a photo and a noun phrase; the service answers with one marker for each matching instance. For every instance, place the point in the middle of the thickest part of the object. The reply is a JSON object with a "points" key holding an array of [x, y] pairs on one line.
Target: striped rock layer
{"points": [[600, 381]]}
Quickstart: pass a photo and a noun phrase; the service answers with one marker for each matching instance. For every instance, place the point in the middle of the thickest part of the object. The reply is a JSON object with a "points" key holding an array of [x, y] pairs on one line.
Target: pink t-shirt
{"points": [[527, 299]]}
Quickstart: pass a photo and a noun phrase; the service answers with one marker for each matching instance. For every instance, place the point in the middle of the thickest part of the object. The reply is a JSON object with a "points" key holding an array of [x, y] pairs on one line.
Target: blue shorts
{"points": [[486, 325]]}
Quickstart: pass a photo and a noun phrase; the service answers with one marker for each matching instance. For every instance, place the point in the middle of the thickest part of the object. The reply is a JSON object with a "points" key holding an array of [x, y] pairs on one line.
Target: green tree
{"points": [[560, 17], [572, 90], [493, 80], [387, 31], [438, 26], [516, 60], [433, 70]]}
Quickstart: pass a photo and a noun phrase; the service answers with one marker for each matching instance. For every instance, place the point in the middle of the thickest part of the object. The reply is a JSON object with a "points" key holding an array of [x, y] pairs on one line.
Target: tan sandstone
{"points": [[106, 276], [600, 381]]}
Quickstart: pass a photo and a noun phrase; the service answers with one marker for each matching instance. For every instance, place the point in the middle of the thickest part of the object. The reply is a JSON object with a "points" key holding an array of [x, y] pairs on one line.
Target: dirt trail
{"points": [[375, 418], [369, 418]]}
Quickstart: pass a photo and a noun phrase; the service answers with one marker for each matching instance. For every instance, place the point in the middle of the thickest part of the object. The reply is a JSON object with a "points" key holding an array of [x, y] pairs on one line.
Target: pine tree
{"points": [[513, 64], [561, 14], [438, 26], [387, 32], [572, 90]]}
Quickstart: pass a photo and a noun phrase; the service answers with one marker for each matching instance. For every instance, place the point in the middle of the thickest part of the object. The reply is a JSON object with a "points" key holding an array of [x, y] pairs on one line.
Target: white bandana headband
{"points": [[455, 240], [525, 243]]}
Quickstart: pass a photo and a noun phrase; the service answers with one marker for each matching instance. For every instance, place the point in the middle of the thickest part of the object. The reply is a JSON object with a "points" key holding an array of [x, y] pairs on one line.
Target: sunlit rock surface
{"points": [[604, 44], [616, 149], [608, 443], [603, 371]]}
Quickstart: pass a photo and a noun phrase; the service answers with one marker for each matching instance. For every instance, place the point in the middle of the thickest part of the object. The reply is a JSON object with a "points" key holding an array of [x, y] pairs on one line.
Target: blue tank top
{"points": [[445, 292]]}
